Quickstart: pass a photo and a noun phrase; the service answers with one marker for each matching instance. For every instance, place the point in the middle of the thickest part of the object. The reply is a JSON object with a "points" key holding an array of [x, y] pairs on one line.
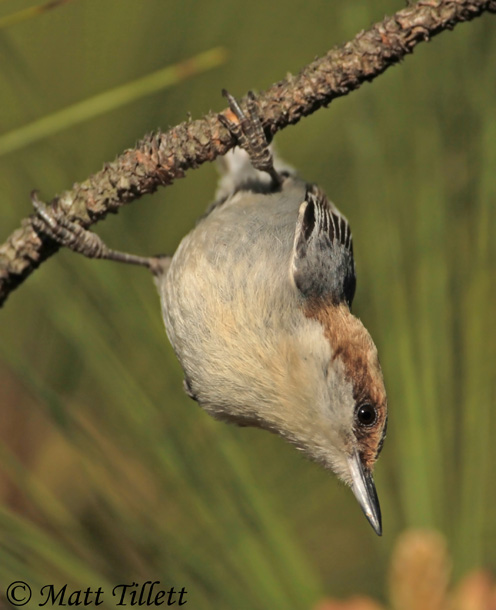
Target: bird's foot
{"points": [[247, 128], [78, 239]]}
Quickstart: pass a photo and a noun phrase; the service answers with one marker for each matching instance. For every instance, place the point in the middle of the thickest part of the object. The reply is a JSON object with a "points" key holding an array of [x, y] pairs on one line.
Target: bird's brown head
{"points": [[360, 415]]}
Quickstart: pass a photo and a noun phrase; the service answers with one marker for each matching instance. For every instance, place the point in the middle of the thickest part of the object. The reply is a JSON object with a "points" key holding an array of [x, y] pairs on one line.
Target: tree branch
{"points": [[161, 158]]}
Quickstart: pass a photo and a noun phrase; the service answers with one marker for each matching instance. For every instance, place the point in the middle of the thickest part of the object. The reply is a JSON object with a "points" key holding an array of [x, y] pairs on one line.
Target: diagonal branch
{"points": [[161, 158]]}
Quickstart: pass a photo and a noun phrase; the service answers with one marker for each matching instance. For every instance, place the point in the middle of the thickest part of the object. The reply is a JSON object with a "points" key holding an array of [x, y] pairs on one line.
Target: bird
{"points": [[256, 302]]}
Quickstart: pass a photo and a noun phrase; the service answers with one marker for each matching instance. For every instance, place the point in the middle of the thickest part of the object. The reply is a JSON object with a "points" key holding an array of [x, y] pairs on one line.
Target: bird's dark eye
{"points": [[366, 415]]}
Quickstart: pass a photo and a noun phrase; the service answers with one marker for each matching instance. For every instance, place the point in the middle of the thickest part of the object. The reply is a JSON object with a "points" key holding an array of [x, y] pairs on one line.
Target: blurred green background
{"points": [[108, 472]]}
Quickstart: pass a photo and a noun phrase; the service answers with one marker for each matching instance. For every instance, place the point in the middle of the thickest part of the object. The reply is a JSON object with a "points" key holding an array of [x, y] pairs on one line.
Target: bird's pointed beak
{"points": [[364, 489]]}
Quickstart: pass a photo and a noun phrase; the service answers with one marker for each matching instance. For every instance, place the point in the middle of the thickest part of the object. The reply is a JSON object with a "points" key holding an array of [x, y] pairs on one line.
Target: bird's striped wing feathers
{"points": [[328, 218], [323, 266]]}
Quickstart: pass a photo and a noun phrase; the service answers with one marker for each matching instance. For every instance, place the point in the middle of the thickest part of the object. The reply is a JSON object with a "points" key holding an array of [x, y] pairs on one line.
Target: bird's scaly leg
{"points": [[73, 236]]}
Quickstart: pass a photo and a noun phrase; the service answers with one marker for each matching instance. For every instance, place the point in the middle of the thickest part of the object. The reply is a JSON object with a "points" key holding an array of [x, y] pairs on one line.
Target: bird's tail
{"points": [[237, 172]]}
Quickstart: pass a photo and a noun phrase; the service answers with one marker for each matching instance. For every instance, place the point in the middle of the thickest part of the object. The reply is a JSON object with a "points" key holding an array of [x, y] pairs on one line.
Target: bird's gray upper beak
{"points": [[364, 489]]}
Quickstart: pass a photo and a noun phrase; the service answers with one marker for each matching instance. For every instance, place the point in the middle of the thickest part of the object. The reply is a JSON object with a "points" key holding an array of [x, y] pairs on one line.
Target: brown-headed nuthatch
{"points": [[256, 303]]}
